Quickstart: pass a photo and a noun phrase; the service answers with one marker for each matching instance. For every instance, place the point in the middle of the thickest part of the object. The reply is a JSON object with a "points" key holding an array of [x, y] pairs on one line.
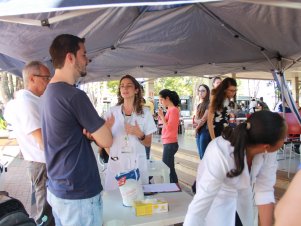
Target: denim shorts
{"points": [[76, 212]]}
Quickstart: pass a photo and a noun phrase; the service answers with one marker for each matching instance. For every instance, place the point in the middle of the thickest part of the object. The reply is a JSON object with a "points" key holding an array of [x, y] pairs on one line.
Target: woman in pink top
{"points": [[170, 100]]}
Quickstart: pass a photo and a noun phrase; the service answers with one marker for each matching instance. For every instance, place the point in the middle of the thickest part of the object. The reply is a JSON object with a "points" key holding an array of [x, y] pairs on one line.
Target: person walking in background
{"points": [[202, 133], [252, 106], [216, 82], [69, 123], [237, 172], [218, 114], [263, 104], [132, 127], [25, 119], [170, 100]]}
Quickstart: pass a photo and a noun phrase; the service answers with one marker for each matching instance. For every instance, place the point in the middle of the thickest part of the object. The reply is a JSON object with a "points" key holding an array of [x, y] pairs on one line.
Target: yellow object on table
{"points": [[148, 207]]}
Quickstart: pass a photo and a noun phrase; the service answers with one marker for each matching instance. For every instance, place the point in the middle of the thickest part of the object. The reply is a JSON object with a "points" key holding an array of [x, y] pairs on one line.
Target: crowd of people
{"points": [[58, 122]]}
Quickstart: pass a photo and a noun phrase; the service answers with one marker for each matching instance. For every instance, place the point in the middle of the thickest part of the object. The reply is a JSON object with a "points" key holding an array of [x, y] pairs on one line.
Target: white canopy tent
{"points": [[150, 39]]}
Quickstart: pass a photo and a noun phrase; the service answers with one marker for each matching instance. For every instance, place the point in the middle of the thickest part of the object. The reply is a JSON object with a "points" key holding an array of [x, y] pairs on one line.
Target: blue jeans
{"points": [[147, 150], [76, 212], [169, 151], [202, 141]]}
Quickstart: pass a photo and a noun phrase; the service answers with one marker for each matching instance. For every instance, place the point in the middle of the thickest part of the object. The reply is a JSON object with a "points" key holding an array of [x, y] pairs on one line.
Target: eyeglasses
{"points": [[45, 77]]}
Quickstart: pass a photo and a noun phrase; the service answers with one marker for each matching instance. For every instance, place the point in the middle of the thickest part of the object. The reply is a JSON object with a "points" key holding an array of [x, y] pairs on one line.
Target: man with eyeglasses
{"points": [[26, 122]]}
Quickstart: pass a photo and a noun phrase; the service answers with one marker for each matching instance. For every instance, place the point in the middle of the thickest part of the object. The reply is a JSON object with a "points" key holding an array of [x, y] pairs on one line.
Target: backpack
{"points": [[12, 212]]}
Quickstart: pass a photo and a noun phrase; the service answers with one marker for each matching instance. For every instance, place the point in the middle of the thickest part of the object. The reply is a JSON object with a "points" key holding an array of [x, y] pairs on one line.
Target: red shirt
{"points": [[170, 131]]}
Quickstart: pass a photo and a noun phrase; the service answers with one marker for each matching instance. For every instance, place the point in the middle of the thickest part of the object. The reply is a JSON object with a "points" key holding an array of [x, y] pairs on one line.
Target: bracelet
{"points": [[141, 138]]}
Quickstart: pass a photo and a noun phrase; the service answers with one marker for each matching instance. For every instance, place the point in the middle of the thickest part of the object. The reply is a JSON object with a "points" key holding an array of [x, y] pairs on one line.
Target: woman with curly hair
{"points": [[218, 115], [132, 126]]}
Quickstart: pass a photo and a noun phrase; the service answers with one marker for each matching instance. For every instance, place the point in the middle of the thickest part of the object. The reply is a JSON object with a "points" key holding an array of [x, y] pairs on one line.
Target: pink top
{"points": [[170, 131]]}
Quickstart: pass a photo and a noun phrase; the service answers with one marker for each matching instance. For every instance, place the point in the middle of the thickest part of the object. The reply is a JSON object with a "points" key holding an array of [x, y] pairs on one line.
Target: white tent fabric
{"points": [[155, 41]]}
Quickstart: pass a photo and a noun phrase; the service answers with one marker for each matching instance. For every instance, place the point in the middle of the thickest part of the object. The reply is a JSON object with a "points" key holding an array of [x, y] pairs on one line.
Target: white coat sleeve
{"points": [[150, 126], [266, 179], [211, 173]]}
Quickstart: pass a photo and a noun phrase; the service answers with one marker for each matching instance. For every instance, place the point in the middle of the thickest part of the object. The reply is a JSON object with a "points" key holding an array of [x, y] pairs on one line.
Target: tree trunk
{"points": [[4, 89], [11, 85], [8, 85]]}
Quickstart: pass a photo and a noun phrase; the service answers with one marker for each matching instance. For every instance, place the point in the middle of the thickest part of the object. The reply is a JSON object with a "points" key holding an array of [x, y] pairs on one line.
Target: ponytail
{"points": [[238, 138], [263, 127]]}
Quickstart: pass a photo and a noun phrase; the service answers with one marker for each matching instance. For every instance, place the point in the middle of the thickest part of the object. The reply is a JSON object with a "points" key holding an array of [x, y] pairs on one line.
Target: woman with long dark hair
{"points": [[202, 133], [132, 127], [170, 100], [218, 115], [238, 174]]}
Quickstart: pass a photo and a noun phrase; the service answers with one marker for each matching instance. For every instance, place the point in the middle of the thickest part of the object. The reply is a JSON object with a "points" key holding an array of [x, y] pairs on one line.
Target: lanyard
{"points": [[128, 120]]}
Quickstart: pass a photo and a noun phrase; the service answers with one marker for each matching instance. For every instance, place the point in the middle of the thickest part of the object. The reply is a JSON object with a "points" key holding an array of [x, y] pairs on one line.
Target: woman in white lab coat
{"points": [[238, 173], [132, 126]]}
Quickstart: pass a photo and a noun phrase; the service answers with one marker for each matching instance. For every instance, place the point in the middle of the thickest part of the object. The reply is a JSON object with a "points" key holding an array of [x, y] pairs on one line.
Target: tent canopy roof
{"points": [[155, 41]]}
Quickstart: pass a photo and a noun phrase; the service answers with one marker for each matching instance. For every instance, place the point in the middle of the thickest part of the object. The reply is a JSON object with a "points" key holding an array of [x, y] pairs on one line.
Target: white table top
{"points": [[116, 214]]}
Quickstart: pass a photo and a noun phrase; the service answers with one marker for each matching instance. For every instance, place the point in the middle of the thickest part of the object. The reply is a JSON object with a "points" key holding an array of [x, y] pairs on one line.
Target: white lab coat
{"points": [[127, 161], [219, 197]]}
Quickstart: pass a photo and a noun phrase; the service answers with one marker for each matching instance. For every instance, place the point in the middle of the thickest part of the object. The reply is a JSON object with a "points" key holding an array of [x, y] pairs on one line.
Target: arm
{"points": [[210, 118], [203, 120], [264, 188], [211, 174], [288, 211], [103, 137], [266, 214], [37, 134]]}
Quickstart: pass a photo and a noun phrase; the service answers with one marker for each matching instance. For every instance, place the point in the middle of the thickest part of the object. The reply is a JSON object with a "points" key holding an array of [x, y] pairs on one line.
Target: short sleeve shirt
{"points": [[71, 164]]}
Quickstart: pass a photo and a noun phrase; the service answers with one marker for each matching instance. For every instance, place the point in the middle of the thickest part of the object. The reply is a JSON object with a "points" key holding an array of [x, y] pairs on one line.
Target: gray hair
{"points": [[31, 68]]}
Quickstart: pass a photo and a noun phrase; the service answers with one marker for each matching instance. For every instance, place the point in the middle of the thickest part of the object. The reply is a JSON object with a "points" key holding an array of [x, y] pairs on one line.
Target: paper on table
{"points": [[167, 187]]}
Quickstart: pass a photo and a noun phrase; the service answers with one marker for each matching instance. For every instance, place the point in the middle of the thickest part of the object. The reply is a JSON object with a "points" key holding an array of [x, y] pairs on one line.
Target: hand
{"points": [[195, 133], [110, 121], [88, 134], [160, 113], [133, 130]]}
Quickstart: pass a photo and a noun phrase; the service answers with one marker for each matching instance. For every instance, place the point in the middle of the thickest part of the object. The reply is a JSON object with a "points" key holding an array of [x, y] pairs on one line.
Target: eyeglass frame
{"points": [[48, 77]]}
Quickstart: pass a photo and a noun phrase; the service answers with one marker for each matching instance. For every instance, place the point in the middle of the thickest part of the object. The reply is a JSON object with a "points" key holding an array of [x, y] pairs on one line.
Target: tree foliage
{"points": [[113, 87], [184, 86]]}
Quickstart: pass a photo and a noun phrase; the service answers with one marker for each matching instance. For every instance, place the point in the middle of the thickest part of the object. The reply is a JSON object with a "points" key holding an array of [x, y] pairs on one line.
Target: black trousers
{"points": [[237, 220], [169, 151]]}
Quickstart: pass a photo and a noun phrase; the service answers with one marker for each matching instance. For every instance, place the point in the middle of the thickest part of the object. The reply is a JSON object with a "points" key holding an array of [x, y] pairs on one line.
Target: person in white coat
{"points": [[132, 126], [238, 173]]}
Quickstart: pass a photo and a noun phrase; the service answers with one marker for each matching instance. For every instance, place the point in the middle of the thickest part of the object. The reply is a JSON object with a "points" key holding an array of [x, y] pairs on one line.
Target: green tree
{"points": [[184, 86], [113, 86]]}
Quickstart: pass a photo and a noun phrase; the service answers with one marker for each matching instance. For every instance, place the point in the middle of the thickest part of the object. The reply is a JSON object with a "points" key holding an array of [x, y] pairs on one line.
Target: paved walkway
{"points": [[15, 180]]}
